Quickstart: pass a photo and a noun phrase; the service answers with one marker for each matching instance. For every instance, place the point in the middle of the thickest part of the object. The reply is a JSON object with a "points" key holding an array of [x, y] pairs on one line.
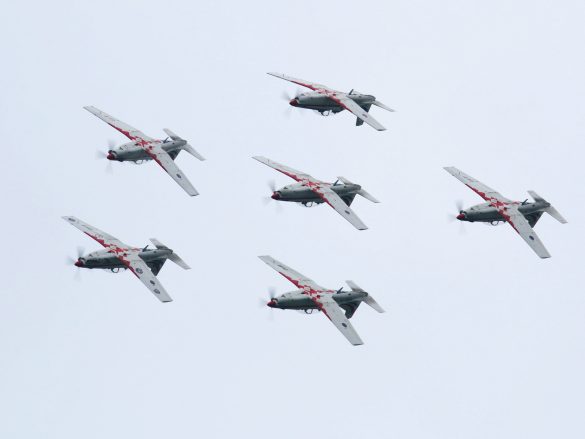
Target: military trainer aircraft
{"points": [[327, 101], [145, 263], [142, 148], [310, 297], [522, 216], [309, 191]]}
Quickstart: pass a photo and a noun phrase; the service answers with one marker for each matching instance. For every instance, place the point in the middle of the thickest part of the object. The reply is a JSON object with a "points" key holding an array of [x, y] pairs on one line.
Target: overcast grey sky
{"points": [[481, 338]]}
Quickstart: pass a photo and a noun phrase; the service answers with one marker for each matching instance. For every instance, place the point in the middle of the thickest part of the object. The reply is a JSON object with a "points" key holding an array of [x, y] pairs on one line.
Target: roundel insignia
{"points": [[344, 325], [531, 237], [152, 282], [156, 291], [139, 270], [179, 175]]}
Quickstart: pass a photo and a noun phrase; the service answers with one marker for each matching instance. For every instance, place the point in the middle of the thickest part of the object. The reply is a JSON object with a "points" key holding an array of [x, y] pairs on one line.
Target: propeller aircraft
{"points": [[144, 263], [143, 148], [521, 215], [309, 191], [328, 101], [310, 296]]}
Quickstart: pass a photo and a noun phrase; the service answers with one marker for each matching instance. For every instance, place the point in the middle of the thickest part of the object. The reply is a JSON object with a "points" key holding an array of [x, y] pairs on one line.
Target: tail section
{"points": [[381, 105], [186, 147], [362, 191], [369, 300], [173, 256], [360, 122], [550, 209]]}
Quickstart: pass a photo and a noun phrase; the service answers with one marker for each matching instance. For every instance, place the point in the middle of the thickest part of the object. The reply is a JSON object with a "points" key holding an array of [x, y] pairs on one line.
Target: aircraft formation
{"points": [[337, 305]]}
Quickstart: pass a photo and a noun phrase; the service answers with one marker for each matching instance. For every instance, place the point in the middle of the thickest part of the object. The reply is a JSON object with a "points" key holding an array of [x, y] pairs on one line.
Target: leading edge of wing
{"points": [[297, 279], [308, 84], [335, 314], [128, 130], [521, 225], [103, 238], [165, 161], [481, 189]]}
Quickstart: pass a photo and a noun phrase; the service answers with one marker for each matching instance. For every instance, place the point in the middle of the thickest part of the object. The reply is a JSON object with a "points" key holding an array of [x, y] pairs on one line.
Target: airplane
{"points": [[328, 101], [145, 263], [310, 297], [522, 216], [311, 191], [143, 148]]}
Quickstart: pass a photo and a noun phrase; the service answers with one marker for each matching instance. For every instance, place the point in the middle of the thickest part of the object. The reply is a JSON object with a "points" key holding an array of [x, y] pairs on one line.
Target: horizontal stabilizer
{"points": [[171, 134], [381, 105], [550, 209], [369, 300], [362, 191], [173, 256], [192, 151]]}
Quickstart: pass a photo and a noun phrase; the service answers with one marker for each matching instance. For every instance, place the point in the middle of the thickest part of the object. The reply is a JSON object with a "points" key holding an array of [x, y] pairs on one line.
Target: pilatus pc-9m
{"points": [[521, 215], [143, 148], [309, 191], [144, 263], [312, 297], [327, 101]]}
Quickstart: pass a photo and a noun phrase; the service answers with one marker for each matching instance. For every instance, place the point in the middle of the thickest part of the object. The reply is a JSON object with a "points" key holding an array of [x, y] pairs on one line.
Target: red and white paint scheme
{"points": [[522, 216], [143, 147], [137, 260], [311, 190], [327, 100], [311, 296]]}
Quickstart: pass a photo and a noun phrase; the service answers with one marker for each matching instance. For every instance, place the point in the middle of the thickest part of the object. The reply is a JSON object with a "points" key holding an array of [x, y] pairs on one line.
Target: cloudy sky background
{"points": [[481, 338]]}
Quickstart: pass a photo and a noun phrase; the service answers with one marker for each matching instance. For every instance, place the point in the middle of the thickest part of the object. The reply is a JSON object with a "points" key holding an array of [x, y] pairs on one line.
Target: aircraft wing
{"points": [[112, 244], [350, 105], [165, 161], [330, 197], [137, 266], [299, 280], [130, 132], [331, 309], [311, 85], [487, 193], [292, 173], [519, 223], [507, 208]]}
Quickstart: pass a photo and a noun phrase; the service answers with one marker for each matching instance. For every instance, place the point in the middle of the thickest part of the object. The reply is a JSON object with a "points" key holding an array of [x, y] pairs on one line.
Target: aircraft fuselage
{"points": [[321, 103], [299, 193], [105, 260], [298, 301], [486, 213], [131, 152]]}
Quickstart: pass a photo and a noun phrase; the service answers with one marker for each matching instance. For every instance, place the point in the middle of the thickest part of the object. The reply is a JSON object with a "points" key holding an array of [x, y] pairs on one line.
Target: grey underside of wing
{"points": [[294, 276], [123, 127], [342, 208], [167, 163], [142, 272], [337, 317]]}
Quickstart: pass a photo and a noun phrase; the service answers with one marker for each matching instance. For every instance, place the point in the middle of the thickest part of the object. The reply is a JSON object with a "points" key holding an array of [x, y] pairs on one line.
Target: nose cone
{"points": [[79, 263], [294, 102], [461, 216], [111, 155], [272, 303], [275, 196]]}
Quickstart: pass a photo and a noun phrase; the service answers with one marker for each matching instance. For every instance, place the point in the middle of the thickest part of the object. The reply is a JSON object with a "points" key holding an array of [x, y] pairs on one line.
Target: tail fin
{"points": [[362, 191], [550, 209], [381, 105], [173, 256], [369, 300], [359, 122], [186, 147]]}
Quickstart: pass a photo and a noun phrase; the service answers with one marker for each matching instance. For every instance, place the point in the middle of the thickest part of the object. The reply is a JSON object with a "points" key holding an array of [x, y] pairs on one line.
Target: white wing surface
{"points": [[322, 189], [142, 272], [129, 131], [113, 245], [335, 314], [299, 280], [165, 161]]}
